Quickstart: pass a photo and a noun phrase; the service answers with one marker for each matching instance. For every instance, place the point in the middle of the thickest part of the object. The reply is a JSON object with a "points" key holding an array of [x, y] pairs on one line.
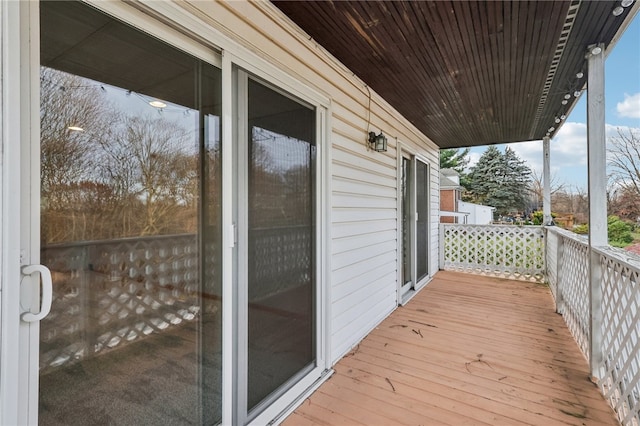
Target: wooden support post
{"points": [[597, 197], [546, 178]]}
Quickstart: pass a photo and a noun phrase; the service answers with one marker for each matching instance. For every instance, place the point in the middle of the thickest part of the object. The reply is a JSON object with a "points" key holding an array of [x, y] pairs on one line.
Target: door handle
{"points": [[47, 292]]}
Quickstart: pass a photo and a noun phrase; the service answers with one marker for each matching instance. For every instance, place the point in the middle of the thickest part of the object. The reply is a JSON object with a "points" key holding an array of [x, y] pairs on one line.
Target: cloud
{"points": [[630, 107]]}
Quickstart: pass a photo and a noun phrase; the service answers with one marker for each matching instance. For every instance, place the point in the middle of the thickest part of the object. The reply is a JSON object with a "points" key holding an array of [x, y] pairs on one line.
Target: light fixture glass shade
{"points": [[617, 11], [567, 96], [564, 102], [580, 74], [378, 142], [626, 3], [596, 50], [576, 93], [157, 104]]}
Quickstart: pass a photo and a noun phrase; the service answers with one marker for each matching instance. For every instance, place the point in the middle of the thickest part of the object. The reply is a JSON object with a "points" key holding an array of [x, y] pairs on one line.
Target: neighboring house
{"points": [[453, 209], [477, 214], [450, 196], [207, 184]]}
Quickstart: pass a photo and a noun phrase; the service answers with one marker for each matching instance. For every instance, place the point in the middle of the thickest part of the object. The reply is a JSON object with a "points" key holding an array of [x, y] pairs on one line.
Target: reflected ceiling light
{"points": [[617, 11], [580, 74], [564, 101], [157, 104], [596, 50], [626, 3], [378, 142], [567, 96], [76, 128]]}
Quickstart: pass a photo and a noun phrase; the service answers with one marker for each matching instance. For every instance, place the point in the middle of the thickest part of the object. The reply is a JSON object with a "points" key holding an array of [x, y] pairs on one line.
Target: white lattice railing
{"points": [[568, 274], [518, 252], [568, 260], [619, 377], [507, 251]]}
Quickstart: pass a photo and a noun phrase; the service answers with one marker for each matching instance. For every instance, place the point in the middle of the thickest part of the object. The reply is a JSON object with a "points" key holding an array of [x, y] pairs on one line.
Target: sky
{"points": [[569, 146]]}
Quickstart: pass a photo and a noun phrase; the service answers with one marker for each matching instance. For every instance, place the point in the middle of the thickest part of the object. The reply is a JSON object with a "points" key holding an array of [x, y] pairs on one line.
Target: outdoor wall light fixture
{"points": [[378, 142]]}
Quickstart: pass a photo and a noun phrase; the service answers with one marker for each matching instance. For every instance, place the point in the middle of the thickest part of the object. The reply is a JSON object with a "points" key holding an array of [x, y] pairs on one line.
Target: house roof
{"points": [[467, 73]]}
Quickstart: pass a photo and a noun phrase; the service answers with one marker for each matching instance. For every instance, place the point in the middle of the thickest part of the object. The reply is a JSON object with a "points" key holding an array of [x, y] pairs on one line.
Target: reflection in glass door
{"points": [[130, 225], [422, 220], [406, 189], [280, 244]]}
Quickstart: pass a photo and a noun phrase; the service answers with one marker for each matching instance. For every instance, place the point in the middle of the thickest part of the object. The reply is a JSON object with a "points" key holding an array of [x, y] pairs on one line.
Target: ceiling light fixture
{"points": [[564, 101], [567, 96], [75, 128], [576, 93], [557, 120], [596, 50], [617, 11], [551, 129], [562, 117], [626, 3], [157, 104], [580, 75]]}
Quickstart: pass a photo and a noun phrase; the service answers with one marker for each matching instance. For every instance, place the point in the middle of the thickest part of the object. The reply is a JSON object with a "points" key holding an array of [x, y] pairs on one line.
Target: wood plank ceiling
{"points": [[466, 73]]}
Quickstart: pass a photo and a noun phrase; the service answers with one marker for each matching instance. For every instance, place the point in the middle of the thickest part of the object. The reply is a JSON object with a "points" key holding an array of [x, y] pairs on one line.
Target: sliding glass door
{"points": [[414, 215], [130, 225], [280, 242]]}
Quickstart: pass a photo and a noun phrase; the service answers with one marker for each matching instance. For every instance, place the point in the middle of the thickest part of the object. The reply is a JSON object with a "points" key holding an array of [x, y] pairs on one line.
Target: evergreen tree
{"points": [[453, 158], [500, 180]]}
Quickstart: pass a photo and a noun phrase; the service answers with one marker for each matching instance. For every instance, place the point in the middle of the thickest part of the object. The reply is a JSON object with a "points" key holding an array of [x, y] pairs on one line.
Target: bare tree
{"points": [[152, 165], [537, 188], [624, 158]]}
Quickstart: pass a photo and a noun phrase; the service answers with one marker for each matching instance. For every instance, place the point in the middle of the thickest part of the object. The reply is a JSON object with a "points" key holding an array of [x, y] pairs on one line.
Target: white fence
{"points": [[494, 250], [507, 251]]}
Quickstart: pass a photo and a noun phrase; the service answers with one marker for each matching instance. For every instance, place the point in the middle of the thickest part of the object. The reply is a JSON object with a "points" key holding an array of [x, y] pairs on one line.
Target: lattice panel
{"points": [[620, 374], [107, 294], [507, 251], [574, 288]]}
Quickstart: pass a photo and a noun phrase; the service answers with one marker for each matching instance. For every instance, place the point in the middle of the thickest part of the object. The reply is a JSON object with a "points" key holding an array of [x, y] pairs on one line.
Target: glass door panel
{"points": [[407, 224], [281, 241], [130, 225], [422, 222]]}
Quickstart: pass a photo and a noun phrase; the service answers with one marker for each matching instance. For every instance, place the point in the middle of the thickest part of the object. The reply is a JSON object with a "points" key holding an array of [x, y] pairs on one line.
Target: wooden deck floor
{"points": [[466, 350]]}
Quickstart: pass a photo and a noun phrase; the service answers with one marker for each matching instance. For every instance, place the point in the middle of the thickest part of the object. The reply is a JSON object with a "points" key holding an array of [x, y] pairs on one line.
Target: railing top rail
{"points": [[493, 225], [626, 258], [568, 234], [117, 240]]}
